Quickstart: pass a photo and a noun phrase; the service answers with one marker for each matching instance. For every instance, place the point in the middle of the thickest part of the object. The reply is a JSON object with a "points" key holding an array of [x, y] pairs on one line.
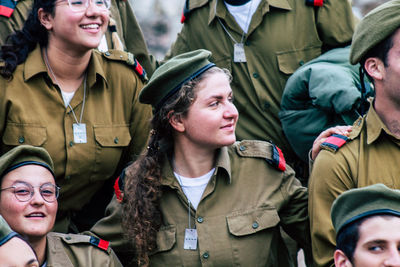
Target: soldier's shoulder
{"points": [[261, 149], [336, 141], [191, 5], [74, 239], [126, 58]]}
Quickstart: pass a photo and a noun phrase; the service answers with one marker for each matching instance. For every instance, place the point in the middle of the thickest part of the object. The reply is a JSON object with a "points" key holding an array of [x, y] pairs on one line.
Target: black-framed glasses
{"points": [[82, 5], [24, 191]]}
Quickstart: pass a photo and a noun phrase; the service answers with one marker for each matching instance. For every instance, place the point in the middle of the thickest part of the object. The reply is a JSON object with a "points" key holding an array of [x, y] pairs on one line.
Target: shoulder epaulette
{"points": [[314, 2], [119, 187], [334, 142], [100, 243], [7, 7], [83, 239], [129, 59], [189, 6], [261, 149]]}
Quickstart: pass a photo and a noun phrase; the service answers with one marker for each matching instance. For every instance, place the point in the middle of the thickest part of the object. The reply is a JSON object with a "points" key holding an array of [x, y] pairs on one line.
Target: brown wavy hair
{"points": [[141, 218]]}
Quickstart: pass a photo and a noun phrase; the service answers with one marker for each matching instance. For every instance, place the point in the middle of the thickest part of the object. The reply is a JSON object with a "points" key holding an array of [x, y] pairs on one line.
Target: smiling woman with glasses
{"points": [[58, 92], [28, 202]]}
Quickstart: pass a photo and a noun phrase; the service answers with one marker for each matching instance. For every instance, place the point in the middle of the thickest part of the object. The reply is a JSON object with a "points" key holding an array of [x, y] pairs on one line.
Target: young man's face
{"points": [[378, 244]]}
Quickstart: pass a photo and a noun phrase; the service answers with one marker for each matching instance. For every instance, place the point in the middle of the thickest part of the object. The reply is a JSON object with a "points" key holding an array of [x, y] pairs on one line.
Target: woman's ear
{"points": [[176, 121], [375, 68], [46, 19]]}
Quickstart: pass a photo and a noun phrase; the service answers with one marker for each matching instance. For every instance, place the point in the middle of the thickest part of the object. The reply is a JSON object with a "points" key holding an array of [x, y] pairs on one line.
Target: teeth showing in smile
{"points": [[90, 26], [36, 215]]}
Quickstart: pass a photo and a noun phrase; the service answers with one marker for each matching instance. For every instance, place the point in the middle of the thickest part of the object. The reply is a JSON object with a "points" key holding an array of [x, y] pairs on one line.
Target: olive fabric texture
{"points": [[168, 78], [359, 203], [24, 155], [375, 27]]}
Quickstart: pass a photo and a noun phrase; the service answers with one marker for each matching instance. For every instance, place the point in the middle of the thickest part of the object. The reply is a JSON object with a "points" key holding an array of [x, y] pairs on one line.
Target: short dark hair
{"points": [[380, 50], [347, 238]]}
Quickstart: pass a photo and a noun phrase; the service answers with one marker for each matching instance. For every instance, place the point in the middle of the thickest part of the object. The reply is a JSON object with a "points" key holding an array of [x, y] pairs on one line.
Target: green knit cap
{"points": [[376, 26], [25, 155], [355, 204], [169, 77], [5, 231]]}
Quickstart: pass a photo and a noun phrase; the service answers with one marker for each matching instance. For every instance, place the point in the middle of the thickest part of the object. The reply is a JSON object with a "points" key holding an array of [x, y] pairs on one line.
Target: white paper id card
{"points": [[79, 130], [238, 53], [190, 239]]}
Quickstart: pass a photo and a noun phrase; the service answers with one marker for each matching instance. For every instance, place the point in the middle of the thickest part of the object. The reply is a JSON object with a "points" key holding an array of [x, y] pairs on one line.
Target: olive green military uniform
{"points": [[69, 250], [121, 11], [237, 219], [33, 112], [372, 156], [283, 34]]}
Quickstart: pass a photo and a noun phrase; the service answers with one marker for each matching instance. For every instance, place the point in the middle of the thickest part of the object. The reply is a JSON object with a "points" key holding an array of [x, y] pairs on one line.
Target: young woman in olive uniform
{"points": [[82, 106], [196, 197], [28, 202]]}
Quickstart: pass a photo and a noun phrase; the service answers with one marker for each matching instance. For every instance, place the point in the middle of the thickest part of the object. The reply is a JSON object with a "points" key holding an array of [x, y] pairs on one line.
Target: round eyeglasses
{"points": [[82, 5], [24, 191]]}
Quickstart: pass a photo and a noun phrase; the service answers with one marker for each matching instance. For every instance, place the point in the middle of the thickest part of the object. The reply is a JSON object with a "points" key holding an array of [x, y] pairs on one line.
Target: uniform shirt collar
{"points": [[35, 64], [217, 8], [222, 166], [375, 126]]}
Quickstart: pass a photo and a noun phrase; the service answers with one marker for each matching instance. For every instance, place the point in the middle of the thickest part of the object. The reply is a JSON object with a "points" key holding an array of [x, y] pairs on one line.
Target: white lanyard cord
{"points": [[59, 85]]}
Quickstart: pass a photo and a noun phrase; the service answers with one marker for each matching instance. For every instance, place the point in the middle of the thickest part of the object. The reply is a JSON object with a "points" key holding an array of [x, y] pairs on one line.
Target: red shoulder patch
{"points": [[7, 7], [185, 12], [334, 142], [315, 3], [278, 160], [119, 188], [100, 243]]}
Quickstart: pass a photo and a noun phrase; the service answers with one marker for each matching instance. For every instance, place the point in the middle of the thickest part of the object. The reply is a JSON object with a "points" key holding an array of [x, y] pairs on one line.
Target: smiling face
{"points": [[75, 30], [35, 217], [17, 253], [211, 119]]}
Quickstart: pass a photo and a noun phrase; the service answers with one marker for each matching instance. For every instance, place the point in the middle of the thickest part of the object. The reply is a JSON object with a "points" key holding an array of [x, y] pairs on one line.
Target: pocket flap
{"points": [[290, 61], [19, 134], [251, 221], [112, 136], [166, 238]]}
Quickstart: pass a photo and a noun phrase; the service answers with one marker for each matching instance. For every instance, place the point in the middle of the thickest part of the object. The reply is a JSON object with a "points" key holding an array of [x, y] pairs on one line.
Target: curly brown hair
{"points": [[141, 217]]}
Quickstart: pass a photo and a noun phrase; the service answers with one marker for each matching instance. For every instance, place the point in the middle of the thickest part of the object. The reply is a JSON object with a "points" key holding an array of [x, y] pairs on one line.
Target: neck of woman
{"points": [[39, 245], [66, 69], [192, 162]]}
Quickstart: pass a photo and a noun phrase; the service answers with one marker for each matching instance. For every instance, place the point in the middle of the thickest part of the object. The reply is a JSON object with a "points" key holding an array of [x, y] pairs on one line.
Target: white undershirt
{"points": [[243, 13], [194, 187], [67, 96]]}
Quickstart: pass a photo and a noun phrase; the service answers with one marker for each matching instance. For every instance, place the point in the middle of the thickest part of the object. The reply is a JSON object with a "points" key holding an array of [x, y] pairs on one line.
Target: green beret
{"points": [[376, 26], [5, 231], [25, 155], [169, 77], [358, 203]]}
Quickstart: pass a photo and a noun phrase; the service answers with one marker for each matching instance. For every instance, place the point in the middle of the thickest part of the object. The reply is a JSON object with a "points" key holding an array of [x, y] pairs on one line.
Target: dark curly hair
{"points": [[22, 42], [141, 217]]}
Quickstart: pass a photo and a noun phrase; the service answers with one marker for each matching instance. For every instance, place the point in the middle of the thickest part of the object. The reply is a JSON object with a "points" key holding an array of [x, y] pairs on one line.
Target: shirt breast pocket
{"points": [[253, 233], [166, 250], [24, 134], [110, 142]]}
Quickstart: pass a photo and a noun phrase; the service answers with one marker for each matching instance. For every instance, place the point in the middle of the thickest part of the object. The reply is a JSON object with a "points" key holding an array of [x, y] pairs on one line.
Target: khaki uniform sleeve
{"points": [[109, 228], [133, 37], [330, 177], [335, 23], [16, 21], [139, 126], [294, 216]]}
